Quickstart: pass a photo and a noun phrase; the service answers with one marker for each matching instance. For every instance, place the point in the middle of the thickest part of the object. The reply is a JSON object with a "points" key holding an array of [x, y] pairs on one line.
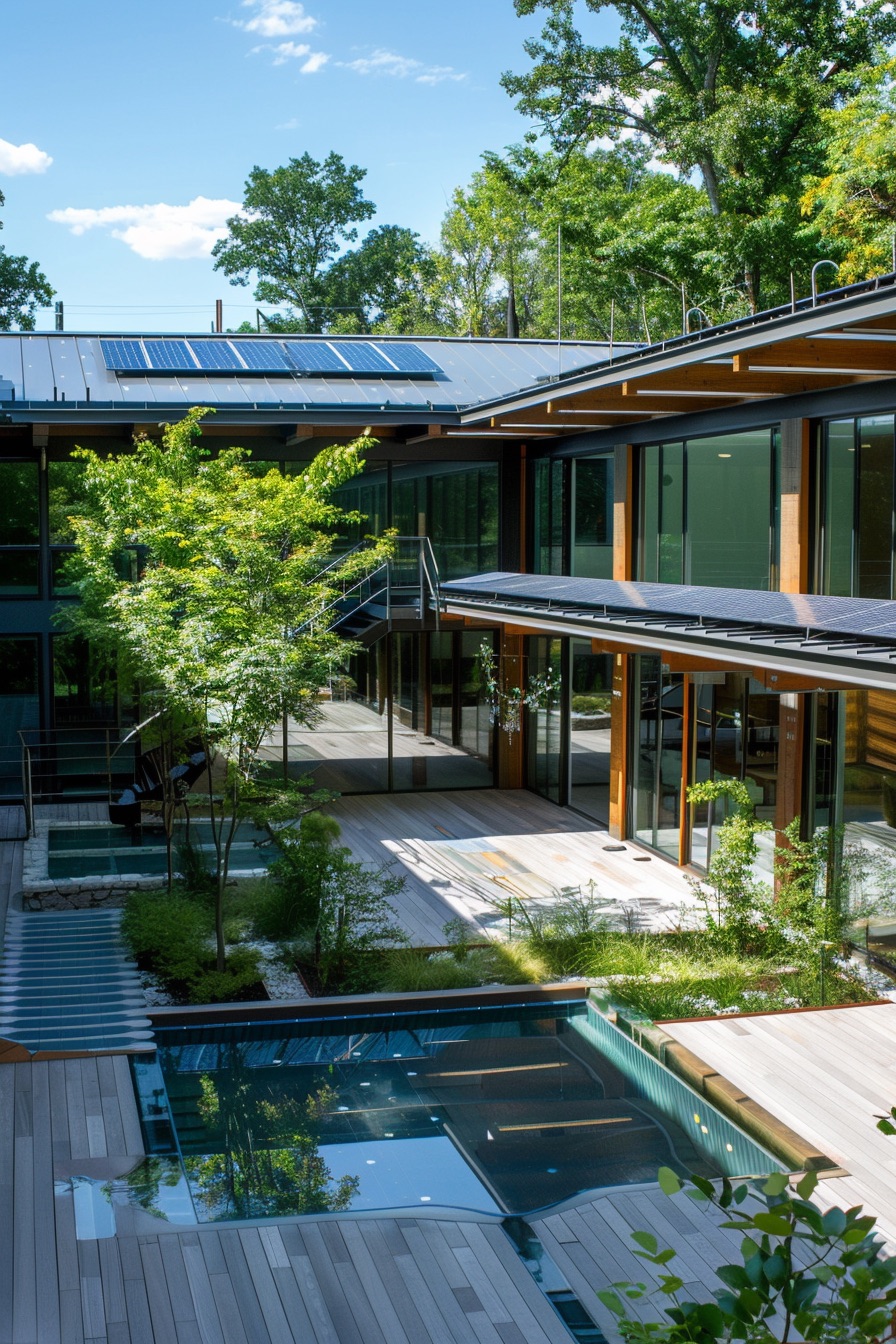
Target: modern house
{"points": [[698, 536]]}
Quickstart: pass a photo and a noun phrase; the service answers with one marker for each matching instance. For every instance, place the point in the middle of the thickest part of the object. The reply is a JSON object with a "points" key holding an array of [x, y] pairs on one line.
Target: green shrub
{"points": [[209, 985], [407, 970], [590, 704], [167, 933], [516, 963]]}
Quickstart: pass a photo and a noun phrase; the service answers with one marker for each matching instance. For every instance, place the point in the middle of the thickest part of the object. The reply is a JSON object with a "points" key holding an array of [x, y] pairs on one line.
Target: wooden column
{"points": [[623, 512], [510, 745], [619, 745], [793, 575], [789, 794]]}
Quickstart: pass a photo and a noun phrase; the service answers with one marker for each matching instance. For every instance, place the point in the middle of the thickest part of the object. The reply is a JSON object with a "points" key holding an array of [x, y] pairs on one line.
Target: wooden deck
{"points": [[827, 1074], [463, 854]]}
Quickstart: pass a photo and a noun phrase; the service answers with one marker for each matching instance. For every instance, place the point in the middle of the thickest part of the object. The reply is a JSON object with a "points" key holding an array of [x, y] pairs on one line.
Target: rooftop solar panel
{"points": [[215, 356], [409, 359], [173, 355], [123, 355], [362, 358], [314, 357], [262, 356]]}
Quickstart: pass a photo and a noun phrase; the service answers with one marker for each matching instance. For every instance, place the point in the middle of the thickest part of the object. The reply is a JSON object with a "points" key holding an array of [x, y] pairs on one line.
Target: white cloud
{"points": [[276, 18], [291, 125], [383, 62], [15, 159], [157, 232], [295, 51]]}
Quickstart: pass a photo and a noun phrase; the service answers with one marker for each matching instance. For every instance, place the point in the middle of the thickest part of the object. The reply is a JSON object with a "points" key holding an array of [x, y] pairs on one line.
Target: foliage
{"points": [[293, 222], [23, 289], [383, 285], [803, 1274], [852, 201], [340, 910], [744, 988], [590, 704], [268, 1162], [222, 629], [733, 93], [409, 970], [506, 698], [812, 888], [738, 909], [170, 935]]}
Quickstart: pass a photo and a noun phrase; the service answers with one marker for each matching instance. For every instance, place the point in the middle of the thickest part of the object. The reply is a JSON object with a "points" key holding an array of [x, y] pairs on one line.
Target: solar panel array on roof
{"points": [[169, 355], [314, 357], [362, 358], [264, 355], [215, 356], [123, 355], [409, 359]]}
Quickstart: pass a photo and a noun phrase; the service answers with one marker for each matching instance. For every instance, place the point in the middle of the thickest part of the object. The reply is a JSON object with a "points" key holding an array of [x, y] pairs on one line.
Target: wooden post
{"points": [[619, 745], [509, 760], [793, 575], [623, 512]]}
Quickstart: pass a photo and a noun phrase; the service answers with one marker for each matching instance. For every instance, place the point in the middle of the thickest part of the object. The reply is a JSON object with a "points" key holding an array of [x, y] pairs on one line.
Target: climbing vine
{"points": [[506, 700]]}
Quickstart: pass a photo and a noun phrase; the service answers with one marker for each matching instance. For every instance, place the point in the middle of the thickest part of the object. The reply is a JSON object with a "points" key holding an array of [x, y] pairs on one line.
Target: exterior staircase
{"points": [[66, 984]]}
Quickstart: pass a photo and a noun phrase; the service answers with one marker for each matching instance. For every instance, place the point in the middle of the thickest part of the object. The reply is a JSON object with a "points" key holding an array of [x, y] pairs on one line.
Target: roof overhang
{"points": [[843, 338], [846, 641]]}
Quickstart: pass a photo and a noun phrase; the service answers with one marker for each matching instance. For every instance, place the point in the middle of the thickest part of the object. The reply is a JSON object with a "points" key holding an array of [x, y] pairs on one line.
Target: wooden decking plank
{"points": [[351, 1328], [276, 1323], [541, 1310], [486, 1272], [139, 1314], [24, 1286], [77, 1117], [127, 1104], [62, 1147], [228, 1310], [435, 1297], [44, 1206], [306, 1280], [109, 1103], [71, 1322], [93, 1310], [155, 1281], [389, 1298], [7, 1189], [182, 1306], [93, 1108], [113, 1282], [294, 1306], [244, 1289], [201, 1291]]}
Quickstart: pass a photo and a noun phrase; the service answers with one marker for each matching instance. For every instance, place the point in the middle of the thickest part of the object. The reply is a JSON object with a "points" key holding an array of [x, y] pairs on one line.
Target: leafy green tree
{"points": [[294, 221], [381, 284], [738, 907], [853, 200], [224, 628], [803, 1274], [731, 92], [23, 289]]}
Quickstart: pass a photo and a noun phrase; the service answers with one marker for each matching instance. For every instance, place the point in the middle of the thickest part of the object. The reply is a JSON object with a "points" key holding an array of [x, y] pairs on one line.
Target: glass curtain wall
{"points": [[857, 508], [589, 731], [656, 764], [19, 529], [709, 511], [433, 732], [573, 517], [546, 746], [19, 706]]}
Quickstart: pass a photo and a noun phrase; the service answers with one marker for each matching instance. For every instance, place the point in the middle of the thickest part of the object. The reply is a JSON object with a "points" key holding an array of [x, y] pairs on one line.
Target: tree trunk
{"points": [[711, 183], [513, 321]]}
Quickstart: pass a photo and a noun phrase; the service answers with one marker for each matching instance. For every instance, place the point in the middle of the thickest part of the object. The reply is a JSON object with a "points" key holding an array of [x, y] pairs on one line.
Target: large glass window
{"points": [[857, 508], [657, 756], [19, 706], [573, 517], [19, 529], [708, 511], [589, 730], [545, 772]]}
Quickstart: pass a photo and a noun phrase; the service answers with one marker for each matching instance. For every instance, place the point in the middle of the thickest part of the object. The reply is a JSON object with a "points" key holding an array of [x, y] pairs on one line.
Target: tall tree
{"points": [[23, 289], [222, 629], [853, 201], [382, 283], [733, 92], [294, 221]]}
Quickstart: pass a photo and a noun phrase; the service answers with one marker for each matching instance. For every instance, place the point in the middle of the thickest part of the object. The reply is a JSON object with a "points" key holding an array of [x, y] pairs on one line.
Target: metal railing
{"points": [[73, 765], [410, 575]]}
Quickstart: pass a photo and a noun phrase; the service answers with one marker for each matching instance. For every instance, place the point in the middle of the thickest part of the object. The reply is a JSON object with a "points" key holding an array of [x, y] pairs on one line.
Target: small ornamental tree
{"points": [[225, 628], [736, 904]]}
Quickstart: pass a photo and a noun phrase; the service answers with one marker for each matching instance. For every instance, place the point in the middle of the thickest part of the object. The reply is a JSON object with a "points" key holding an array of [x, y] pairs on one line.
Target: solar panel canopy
{"points": [[123, 355]]}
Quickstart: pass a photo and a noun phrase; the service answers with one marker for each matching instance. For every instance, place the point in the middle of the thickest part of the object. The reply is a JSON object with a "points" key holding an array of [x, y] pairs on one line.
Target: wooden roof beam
{"points": [[820, 356]]}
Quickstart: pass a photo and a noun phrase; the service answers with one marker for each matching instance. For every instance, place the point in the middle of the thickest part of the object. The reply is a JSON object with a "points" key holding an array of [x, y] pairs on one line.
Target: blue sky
{"points": [[127, 130]]}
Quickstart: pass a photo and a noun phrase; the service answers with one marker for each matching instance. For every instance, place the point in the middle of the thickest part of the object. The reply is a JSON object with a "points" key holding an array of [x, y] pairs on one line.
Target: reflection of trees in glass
{"points": [[145, 1182], [269, 1163], [19, 522], [66, 493]]}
